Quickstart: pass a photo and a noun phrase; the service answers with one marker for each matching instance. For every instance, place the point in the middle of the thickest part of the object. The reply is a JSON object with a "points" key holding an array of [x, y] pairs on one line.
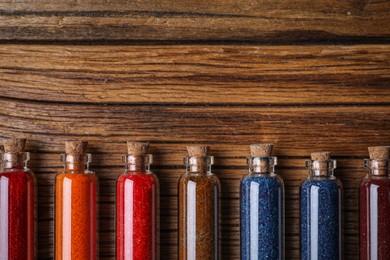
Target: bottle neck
{"points": [[74, 164], [15, 160], [320, 169], [377, 167], [261, 165], [138, 163], [198, 165]]}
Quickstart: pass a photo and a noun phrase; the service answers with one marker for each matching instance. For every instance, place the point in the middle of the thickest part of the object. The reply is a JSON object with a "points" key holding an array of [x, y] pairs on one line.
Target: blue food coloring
{"points": [[262, 217], [321, 219]]}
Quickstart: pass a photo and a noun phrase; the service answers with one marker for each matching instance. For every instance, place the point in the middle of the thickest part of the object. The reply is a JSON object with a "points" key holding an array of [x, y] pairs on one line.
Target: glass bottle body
{"points": [[17, 210], [375, 216], [76, 214], [262, 213], [321, 217], [137, 227], [199, 211]]}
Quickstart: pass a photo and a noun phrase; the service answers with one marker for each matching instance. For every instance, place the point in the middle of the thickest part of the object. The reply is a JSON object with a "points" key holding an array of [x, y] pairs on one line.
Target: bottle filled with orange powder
{"points": [[76, 206]]}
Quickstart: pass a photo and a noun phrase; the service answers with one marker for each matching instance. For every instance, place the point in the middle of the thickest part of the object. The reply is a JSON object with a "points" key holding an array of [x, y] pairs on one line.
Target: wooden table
{"points": [[306, 76]]}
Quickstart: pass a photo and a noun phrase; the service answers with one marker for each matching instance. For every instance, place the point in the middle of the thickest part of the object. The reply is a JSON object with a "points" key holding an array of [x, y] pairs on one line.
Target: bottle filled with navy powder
{"points": [[321, 210], [262, 207]]}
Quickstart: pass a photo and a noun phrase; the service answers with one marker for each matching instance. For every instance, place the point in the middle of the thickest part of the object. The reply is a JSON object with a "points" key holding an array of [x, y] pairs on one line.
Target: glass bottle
{"points": [[137, 207], [17, 211], [375, 206], [76, 206], [262, 207], [321, 210], [198, 207]]}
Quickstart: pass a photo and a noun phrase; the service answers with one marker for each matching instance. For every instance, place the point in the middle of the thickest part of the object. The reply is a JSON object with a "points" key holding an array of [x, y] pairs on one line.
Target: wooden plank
{"points": [[347, 131], [261, 21], [256, 75]]}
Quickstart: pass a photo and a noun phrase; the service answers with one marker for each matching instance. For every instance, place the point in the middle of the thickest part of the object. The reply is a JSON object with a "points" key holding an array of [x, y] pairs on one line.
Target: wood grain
{"points": [[295, 132], [188, 20], [236, 75], [222, 88], [346, 130]]}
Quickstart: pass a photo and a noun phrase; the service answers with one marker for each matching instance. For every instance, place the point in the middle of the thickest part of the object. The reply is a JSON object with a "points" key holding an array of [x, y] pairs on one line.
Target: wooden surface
{"points": [[305, 76], [197, 74], [201, 20]]}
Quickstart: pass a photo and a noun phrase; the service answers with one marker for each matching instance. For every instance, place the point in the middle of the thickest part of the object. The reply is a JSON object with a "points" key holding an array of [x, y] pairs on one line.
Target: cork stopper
{"points": [[14, 145], [379, 153], [320, 156], [261, 150], [76, 149], [198, 150], [137, 148]]}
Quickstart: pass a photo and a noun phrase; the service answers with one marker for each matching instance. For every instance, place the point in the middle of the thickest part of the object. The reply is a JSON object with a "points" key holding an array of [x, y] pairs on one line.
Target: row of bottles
{"points": [[137, 206]]}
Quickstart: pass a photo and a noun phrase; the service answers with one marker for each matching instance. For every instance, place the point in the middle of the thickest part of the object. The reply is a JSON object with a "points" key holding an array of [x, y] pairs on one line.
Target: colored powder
{"points": [[262, 217], [17, 215], [321, 221], [75, 216], [199, 217], [137, 216], [375, 218]]}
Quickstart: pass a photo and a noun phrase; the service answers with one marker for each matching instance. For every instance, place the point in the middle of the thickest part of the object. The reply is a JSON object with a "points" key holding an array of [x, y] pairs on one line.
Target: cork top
{"points": [[76, 148], [320, 156], [198, 150], [379, 152], [137, 148], [14, 145], [261, 150]]}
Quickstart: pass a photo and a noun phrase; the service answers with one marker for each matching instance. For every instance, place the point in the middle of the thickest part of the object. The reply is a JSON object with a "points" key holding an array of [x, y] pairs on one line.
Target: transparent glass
{"points": [[262, 211], [199, 211], [375, 211], [137, 210], [321, 212], [76, 210], [17, 210]]}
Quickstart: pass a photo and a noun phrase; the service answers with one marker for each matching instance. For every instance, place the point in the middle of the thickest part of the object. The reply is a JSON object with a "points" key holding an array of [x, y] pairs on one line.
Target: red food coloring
{"points": [[375, 218], [137, 216], [17, 214]]}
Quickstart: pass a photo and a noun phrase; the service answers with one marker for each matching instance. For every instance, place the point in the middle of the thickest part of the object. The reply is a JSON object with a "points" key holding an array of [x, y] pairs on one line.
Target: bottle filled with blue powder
{"points": [[321, 210], [262, 207]]}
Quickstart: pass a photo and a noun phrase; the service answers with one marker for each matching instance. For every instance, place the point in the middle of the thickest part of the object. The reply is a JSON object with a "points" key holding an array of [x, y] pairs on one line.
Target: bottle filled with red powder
{"points": [[137, 227], [76, 206], [375, 206], [16, 203]]}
